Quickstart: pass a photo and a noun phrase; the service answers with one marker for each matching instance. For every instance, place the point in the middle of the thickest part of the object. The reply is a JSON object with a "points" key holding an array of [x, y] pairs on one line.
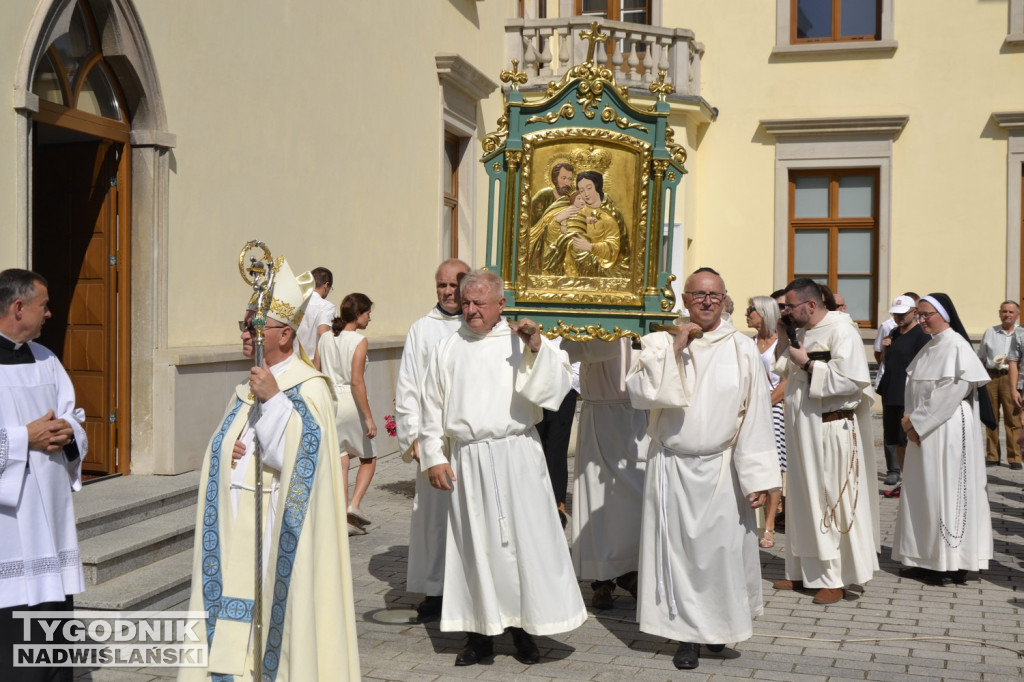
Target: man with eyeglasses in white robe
{"points": [[711, 464]]}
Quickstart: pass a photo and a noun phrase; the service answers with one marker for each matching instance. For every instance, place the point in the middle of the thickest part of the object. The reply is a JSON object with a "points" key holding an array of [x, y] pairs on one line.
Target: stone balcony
{"points": [[548, 48]]}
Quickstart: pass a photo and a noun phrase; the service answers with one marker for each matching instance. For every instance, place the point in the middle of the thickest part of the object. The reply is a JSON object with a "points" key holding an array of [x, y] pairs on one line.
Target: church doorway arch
{"points": [[91, 111]]}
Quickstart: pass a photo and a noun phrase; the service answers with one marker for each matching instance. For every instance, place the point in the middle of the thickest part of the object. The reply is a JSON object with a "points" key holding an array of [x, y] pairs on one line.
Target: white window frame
{"points": [[835, 143], [567, 8], [783, 26], [1015, 35], [463, 87], [1013, 123]]}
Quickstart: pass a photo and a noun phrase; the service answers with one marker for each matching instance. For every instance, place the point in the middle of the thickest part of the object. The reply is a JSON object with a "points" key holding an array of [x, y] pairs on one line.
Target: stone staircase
{"points": [[136, 534]]}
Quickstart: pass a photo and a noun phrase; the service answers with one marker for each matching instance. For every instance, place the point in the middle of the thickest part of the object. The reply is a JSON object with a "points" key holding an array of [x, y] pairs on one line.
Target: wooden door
{"points": [[75, 246]]}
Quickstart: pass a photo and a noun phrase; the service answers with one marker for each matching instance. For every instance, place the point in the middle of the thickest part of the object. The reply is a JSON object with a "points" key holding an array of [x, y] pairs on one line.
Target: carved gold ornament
{"points": [[588, 332], [608, 116], [515, 77], [495, 140], [669, 302], [660, 87], [594, 158], [676, 151], [567, 112]]}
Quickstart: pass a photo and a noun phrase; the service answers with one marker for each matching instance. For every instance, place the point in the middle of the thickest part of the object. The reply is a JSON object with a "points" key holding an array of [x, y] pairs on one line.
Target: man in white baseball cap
{"points": [[899, 348]]}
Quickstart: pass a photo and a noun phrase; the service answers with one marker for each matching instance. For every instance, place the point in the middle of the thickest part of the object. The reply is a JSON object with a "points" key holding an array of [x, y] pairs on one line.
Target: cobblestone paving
{"points": [[895, 629]]}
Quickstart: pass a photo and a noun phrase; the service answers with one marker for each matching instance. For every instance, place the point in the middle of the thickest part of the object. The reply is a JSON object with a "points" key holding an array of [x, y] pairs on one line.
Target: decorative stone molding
{"points": [[852, 125], [462, 87]]}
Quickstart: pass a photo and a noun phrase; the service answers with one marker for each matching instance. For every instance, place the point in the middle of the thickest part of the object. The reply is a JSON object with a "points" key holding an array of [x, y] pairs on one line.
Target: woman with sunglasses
{"points": [[944, 527], [763, 317]]}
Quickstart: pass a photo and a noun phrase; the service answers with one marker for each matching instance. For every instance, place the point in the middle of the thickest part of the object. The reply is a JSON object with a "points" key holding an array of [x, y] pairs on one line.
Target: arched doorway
{"points": [[81, 227], [113, 110]]}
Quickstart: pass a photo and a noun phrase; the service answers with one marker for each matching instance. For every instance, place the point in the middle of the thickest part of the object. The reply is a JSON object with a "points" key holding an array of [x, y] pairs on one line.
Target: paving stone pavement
{"points": [[895, 629]]}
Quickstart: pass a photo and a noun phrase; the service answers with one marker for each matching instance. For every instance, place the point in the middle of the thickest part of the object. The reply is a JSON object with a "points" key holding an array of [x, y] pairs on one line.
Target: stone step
{"points": [[125, 549], [115, 503], [154, 587]]}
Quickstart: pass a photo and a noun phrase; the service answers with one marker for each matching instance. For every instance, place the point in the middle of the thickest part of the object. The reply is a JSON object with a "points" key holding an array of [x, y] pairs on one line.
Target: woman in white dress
{"points": [[342, 357], [763, 316], [944, 527]]}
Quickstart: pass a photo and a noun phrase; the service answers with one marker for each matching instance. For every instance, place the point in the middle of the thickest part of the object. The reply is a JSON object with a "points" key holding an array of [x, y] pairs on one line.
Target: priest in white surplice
{"points": [[308, 615], [42, 443], [507, 563], [611, 458], [832, 537], [711, 463], [429, 524]]}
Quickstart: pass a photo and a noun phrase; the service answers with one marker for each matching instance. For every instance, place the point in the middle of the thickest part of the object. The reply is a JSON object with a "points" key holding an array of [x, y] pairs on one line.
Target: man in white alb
{"points": [[42, 444], [832, 492], [711, 463], [429, 524], [611, 458], [507, 564]]}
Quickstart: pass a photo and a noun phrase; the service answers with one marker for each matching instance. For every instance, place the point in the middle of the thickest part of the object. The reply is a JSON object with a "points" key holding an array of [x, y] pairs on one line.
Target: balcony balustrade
{"points": [[635, 53]]}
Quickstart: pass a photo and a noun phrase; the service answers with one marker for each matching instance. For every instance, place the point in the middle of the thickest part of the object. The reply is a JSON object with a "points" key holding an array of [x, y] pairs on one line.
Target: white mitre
{"points": [[291, 295]]}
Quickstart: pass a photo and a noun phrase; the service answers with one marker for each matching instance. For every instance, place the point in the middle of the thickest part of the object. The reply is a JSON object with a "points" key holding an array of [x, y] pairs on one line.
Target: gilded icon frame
{"points": [[624, 162]]}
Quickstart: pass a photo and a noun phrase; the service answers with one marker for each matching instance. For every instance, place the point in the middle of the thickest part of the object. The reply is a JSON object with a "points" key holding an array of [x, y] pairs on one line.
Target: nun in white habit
{"points": [[944, 527]]}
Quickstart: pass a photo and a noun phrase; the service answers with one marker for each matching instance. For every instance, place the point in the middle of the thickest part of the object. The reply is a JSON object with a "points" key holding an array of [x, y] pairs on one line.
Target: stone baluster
{"points": [[530, 57], [650, 46], [545, 54], [633, 62], [564, 49], [665, 61], [616, 43]]}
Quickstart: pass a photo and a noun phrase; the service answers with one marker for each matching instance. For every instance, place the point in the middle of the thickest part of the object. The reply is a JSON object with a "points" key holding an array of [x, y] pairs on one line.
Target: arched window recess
{"points": [[74, 83]]}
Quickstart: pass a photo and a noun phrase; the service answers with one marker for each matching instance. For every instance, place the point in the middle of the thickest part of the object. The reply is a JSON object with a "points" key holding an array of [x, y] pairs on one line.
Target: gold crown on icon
{"points": [[594, 158]]}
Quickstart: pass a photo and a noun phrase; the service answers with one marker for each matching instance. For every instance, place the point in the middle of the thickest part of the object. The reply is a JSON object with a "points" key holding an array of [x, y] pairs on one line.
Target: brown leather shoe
{"points": [[828, 595], [788, 584]]}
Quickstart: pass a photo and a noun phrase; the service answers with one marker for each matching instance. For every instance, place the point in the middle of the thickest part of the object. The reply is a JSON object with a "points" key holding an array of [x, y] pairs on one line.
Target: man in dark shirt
{"points": [[898, 349]]}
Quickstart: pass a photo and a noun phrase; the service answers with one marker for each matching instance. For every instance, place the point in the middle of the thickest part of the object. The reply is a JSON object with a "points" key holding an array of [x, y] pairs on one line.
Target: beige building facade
{"points": [[147, 141]]}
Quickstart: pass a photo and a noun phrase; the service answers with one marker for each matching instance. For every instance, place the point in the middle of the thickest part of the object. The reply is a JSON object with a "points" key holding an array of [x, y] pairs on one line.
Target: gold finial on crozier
{"points": [[593, 36], [660, 87], [515, 77]]}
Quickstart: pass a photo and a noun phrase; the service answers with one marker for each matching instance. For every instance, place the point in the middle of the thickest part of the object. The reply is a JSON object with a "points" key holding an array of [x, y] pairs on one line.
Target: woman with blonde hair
{"points": [[763, 316], [341, 355]]}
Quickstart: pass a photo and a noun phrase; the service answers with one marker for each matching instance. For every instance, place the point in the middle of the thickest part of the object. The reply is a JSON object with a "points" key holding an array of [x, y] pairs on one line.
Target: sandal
{"points": [[768, 540]]}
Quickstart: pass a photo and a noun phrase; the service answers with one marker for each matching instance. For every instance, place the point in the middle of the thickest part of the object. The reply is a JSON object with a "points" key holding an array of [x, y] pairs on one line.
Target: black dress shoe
{"points": [[429, 607], [958, 577], [924, 575], [686, 656], [602, 598], [715, 648], [526, 649], [990, 463], [1016, 466], [478, 647], [628, 582]]}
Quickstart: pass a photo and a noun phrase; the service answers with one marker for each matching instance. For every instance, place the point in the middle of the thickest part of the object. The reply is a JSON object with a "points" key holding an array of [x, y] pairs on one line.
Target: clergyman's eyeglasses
{"points": [[715, 296]]}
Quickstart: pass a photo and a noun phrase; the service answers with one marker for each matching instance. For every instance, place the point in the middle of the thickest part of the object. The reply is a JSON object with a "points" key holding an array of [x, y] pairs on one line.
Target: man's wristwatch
{"points": [[807, 365]]}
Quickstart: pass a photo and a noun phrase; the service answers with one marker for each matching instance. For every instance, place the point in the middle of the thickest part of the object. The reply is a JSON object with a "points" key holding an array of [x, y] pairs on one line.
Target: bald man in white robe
{"points": [[711, 463]]}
